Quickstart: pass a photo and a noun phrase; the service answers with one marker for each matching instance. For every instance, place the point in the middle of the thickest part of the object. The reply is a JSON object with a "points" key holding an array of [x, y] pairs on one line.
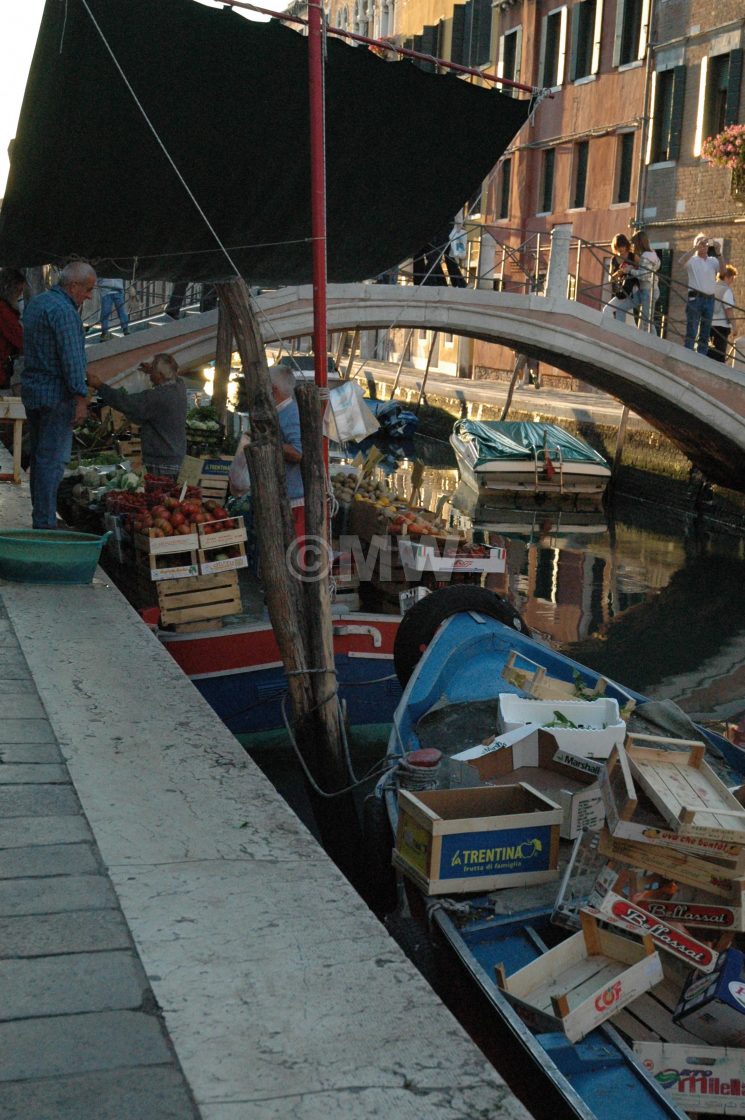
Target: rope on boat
{"points": [[376, 768]]}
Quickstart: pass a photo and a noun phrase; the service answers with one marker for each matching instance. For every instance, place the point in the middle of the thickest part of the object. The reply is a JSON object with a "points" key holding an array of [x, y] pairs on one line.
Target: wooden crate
{"points": [[680, 867], [168, 557], [450, 841], [632, 816], [536, 681], [583, 981], [607, 903], [686, 791], [198, 603], [213, 478]]}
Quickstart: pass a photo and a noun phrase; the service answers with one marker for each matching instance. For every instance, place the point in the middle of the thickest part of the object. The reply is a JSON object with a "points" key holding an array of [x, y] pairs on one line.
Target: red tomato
{"points": [[177, 518]]}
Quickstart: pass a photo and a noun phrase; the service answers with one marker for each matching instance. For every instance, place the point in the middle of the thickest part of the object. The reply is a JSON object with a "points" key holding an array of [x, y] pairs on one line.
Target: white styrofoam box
{"points": [[599, 725], [426, 557]]}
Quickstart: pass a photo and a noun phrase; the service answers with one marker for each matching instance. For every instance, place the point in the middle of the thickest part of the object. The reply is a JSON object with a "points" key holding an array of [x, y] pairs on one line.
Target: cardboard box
{"points": [[428, 558], [459, 840], [713, 1007], [697, 1079], [599, 725], [530, 755]]}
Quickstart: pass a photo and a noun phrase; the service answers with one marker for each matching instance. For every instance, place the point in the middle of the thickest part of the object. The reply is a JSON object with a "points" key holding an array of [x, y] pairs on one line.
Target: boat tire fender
{"points": [[420, 623]]}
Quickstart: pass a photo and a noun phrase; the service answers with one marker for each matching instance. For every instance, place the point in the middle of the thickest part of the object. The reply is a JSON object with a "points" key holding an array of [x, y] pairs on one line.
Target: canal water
{"points": [[641, 595]]}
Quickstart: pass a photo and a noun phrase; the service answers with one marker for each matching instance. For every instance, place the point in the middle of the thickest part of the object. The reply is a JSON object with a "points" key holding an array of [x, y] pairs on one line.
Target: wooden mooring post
{"points": [[297, 599]]}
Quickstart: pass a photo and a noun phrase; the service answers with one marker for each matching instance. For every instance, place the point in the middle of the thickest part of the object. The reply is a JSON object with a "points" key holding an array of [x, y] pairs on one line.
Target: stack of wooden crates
{"points": [[201, 590]]}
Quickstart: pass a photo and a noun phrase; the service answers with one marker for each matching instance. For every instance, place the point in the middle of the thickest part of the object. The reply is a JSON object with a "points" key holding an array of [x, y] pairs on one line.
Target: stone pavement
{"points": [[173, 942]]}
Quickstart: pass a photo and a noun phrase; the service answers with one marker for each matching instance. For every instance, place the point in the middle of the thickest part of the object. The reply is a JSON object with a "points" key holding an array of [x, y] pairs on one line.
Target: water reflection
{"points": [[643, 599]]}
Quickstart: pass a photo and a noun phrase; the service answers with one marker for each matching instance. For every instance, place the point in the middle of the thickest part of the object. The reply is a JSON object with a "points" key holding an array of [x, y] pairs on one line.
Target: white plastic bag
{"points": [[348, 417], [239, 479]]}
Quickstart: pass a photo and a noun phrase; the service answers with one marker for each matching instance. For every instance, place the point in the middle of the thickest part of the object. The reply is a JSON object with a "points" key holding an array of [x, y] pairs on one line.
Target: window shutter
{"points": [[618, 37], [542, 59], [576, 21], [457, 52], [676, 116], [429, 46], [482, 33], [518, 54], [468, 17], [644, 29], [597, 37], [731, 109], [561, 67], [500, 59], [698, 135], [651, 121]]}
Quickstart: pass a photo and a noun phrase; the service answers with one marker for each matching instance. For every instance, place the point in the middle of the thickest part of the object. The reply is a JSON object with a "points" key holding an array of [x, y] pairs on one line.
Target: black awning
{"points": [[228, 98]]}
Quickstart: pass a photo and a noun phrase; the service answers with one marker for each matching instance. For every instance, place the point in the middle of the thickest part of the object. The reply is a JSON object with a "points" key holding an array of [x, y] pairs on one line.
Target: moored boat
{"points": [[451, 702], [509, 458]]}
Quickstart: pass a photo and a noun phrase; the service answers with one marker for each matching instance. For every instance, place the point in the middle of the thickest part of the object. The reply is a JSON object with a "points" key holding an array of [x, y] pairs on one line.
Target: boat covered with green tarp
{"points": [[527, 457]]}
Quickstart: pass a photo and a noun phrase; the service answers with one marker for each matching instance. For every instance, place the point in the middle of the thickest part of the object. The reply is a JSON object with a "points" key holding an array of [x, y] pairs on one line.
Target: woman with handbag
{"points": [[623, 282]]}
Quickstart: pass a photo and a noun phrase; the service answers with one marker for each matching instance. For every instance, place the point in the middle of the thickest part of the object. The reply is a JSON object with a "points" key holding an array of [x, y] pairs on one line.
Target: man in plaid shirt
{"points": [[53, 387]]}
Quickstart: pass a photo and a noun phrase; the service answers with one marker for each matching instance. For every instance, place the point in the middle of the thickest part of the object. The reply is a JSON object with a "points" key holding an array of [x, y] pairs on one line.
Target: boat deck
{"points": [[174, 942]]}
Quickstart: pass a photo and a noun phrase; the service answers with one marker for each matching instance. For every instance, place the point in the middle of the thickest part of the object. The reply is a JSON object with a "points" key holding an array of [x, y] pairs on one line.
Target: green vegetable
{"points": [[561, 720]]}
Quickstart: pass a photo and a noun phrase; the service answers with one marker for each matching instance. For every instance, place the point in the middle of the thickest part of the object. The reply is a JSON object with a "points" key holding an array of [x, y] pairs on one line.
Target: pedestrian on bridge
{"points": [[647, 267], [724, 314], [623, 280], [702, 262]]}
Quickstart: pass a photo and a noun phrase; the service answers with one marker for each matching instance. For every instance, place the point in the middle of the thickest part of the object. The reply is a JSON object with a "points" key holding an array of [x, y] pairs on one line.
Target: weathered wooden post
{"points": [[223, 356]]}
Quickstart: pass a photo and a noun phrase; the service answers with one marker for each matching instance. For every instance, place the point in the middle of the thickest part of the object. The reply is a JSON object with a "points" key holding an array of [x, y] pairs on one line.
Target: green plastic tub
{"points": [[49, 555]]}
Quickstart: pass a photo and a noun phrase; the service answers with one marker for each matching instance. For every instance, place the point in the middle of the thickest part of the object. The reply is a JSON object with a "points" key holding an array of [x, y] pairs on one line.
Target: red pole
{"points": [[318, 194]]}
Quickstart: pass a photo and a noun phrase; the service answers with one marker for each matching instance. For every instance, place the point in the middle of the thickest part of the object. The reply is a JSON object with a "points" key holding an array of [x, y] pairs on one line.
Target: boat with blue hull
{"points": [[450, 702]]}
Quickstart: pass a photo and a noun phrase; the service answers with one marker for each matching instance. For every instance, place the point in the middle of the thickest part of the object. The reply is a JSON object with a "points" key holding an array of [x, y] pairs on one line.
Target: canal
{"points": [[642, 595]]}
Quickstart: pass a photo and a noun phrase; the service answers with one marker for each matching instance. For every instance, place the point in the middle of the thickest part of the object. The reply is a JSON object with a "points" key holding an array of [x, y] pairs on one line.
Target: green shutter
{"points": [[732, 107], [429, 46], [576, 18], [481, 54], [676, 116], [457, 45]]}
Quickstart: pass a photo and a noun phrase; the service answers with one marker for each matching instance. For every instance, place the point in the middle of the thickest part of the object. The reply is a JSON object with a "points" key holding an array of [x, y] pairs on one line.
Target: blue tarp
{"points": [[511, 440]]}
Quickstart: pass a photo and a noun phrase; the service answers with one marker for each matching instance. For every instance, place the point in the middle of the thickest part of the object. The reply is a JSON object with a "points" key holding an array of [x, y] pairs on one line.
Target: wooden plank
{"points": [[196, 613], [687, 792], [199, 583], [206, 598], [653, 1019], [627, 986], [617, 788], [678, 866]]}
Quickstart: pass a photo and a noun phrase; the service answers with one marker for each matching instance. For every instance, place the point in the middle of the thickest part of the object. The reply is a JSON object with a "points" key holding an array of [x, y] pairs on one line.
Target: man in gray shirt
{"points": [[702, 269], [160, 412]]}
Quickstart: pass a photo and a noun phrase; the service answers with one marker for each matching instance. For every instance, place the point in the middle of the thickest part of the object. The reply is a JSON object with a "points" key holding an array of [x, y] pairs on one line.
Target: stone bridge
{"points": [[697, 403]]}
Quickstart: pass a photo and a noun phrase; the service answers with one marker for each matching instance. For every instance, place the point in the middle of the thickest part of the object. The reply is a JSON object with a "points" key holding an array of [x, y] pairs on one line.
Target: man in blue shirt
{"points": [[53, 387], [283, 393]]}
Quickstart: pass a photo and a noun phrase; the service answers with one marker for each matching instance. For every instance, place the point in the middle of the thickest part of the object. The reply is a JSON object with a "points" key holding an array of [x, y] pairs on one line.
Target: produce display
{"points": [[171, 517], [203, 429]]}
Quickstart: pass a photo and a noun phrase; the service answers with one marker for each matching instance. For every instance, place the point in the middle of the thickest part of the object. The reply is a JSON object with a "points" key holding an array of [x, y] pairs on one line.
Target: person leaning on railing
{"points": [[702, 265], [647, 267], [724, 313]]}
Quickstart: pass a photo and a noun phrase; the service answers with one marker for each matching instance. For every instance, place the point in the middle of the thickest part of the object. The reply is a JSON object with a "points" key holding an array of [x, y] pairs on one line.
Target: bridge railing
{"points": [[504, 260]]}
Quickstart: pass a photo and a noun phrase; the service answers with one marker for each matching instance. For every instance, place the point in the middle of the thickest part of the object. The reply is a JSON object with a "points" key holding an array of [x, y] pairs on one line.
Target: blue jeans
{"points": [[646, 309], [699, 313], [618, 307], [50, 446], [113, 297]]}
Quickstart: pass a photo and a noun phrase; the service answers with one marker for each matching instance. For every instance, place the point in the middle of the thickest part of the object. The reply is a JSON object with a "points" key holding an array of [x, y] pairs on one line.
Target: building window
{"points": [[546, 195], [668, 89], [632, 26], [553, 48], [508, 63], [587, 26], [505, 177], [719, 95], [579, 174], [625, 163]]}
